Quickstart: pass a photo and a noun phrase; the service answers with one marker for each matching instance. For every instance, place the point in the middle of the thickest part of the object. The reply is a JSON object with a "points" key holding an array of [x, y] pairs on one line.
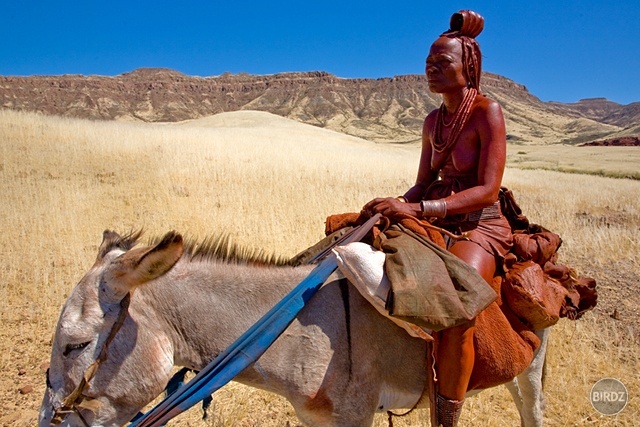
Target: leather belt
{"points": [[490, 212]]}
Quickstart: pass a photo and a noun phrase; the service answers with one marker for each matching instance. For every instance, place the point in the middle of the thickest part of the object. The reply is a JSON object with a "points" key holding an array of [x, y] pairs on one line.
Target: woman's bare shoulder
{"points": [[429, 120], [486, 111], [431, 116], [483, 103]]}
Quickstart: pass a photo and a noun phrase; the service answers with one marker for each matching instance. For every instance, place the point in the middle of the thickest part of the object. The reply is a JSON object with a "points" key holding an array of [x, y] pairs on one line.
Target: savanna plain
{"points": [[269, 183]]}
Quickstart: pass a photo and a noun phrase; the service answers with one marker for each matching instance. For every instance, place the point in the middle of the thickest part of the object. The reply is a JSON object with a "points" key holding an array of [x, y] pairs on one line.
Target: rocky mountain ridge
{"points": [[381, 110]]}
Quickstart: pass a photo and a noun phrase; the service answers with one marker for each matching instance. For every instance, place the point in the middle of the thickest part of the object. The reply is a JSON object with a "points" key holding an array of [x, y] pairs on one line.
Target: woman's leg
{"points": [[455, 360], [456, 352]]}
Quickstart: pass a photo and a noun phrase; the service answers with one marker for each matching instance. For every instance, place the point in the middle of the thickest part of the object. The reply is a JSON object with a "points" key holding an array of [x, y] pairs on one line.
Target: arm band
{"points": [[433, 208]]}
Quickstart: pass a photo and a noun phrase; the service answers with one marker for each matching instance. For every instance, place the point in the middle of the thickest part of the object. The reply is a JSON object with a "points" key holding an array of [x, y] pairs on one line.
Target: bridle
{"points": [[75, 400]]}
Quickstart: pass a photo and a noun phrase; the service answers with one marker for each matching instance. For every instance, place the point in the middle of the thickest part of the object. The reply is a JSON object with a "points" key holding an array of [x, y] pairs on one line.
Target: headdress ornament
{"points": [[466, 23]]}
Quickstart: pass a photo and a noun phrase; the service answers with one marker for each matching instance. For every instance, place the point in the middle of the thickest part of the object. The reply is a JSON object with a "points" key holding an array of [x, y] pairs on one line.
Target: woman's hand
{"points": [[389, 206]]}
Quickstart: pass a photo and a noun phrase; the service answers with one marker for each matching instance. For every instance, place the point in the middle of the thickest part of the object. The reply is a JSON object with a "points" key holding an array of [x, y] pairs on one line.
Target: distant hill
{"points": [[381, 110]]}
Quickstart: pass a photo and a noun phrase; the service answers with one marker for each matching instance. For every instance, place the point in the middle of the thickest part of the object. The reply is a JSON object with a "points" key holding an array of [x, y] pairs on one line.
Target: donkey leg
{"points": [[516, 395], [529, 386], [513, 388]]}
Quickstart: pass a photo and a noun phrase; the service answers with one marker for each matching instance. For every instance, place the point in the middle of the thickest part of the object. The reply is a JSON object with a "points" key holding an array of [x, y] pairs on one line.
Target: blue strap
{"points": [[251, 345]]}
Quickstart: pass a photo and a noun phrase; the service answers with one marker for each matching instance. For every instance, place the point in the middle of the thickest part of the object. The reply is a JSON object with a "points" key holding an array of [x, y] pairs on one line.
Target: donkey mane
{"points": [[220, 247], [217, 247]]}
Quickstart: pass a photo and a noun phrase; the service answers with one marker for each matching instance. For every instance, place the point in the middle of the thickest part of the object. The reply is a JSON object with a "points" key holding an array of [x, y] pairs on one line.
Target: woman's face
{"points": [[444, 68]]}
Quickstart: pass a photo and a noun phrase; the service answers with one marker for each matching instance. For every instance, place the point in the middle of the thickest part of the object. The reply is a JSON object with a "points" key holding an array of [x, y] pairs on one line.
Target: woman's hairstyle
{"points": [[465, 26]]}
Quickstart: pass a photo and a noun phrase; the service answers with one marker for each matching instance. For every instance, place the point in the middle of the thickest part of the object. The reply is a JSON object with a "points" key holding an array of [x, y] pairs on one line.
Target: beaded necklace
{"points": [[459, 120]]}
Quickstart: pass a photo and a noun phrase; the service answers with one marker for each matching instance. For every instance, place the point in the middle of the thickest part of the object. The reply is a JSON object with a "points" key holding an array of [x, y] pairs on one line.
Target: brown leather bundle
{"points": [[582, 295], [534, 297], [538, 247], [537, 289]]}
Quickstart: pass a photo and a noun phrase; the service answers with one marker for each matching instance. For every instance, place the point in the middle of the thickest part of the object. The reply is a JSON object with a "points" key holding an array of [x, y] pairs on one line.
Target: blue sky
{"points": [[561, 50]]}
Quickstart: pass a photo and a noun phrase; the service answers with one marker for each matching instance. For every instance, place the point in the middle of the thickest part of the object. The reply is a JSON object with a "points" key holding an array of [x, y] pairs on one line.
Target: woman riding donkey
{"points": [[460, 172]]}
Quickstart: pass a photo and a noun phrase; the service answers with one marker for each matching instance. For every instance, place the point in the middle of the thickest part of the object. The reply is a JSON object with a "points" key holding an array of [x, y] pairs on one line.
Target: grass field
{"points": [[270, 183], [615, 162]]}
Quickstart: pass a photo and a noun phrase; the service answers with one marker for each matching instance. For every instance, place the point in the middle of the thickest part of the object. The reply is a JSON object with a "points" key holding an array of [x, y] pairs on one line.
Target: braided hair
{"points": [[465, 25]]}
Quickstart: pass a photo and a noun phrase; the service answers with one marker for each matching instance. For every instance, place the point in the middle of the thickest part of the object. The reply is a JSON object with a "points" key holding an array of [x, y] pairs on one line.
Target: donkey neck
{"points": [[204, 306]]}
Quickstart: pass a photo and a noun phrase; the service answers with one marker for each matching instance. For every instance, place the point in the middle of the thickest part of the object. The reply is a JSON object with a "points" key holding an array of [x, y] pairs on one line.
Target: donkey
{"points": [[338, 363]]}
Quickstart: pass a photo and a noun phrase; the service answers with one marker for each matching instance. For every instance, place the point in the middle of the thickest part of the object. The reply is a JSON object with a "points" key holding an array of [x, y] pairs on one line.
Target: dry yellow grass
{"points": [[616, 162], [270, 183]]}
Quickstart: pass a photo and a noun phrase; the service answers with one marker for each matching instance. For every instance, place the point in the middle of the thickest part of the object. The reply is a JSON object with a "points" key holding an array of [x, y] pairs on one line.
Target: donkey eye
{"points": [[73, 347]]}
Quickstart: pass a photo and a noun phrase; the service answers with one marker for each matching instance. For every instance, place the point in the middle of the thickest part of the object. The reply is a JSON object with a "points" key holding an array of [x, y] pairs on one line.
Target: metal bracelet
{"points": [[433, 208]]}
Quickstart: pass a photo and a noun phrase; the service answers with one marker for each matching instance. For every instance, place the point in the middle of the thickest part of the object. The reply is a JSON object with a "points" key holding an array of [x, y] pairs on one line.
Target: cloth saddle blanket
{"points": [[363, 266]]}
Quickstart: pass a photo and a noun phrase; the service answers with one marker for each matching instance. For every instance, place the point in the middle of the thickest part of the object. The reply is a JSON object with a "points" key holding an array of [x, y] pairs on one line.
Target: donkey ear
{"points": [[138, 266], [108, 237]]}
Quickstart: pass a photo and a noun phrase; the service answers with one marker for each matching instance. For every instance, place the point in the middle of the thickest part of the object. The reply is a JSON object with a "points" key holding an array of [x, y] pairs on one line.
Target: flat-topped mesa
{"points": [[387, 109]]}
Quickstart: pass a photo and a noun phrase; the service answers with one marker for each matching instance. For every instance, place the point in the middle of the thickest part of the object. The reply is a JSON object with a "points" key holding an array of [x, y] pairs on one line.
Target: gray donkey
{"points": [[141, 310]]}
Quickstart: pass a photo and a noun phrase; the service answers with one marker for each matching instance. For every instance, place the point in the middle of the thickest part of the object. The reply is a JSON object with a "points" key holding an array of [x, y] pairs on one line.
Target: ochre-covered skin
{"points": [[466, 172]]}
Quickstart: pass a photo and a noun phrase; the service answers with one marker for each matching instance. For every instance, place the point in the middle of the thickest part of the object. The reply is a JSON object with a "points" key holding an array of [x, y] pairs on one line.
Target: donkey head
{"points": [[105, 363]]}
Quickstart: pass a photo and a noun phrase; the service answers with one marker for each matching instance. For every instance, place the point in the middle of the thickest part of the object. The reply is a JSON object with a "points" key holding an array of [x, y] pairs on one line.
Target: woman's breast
{"points": [[451, 179]]}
